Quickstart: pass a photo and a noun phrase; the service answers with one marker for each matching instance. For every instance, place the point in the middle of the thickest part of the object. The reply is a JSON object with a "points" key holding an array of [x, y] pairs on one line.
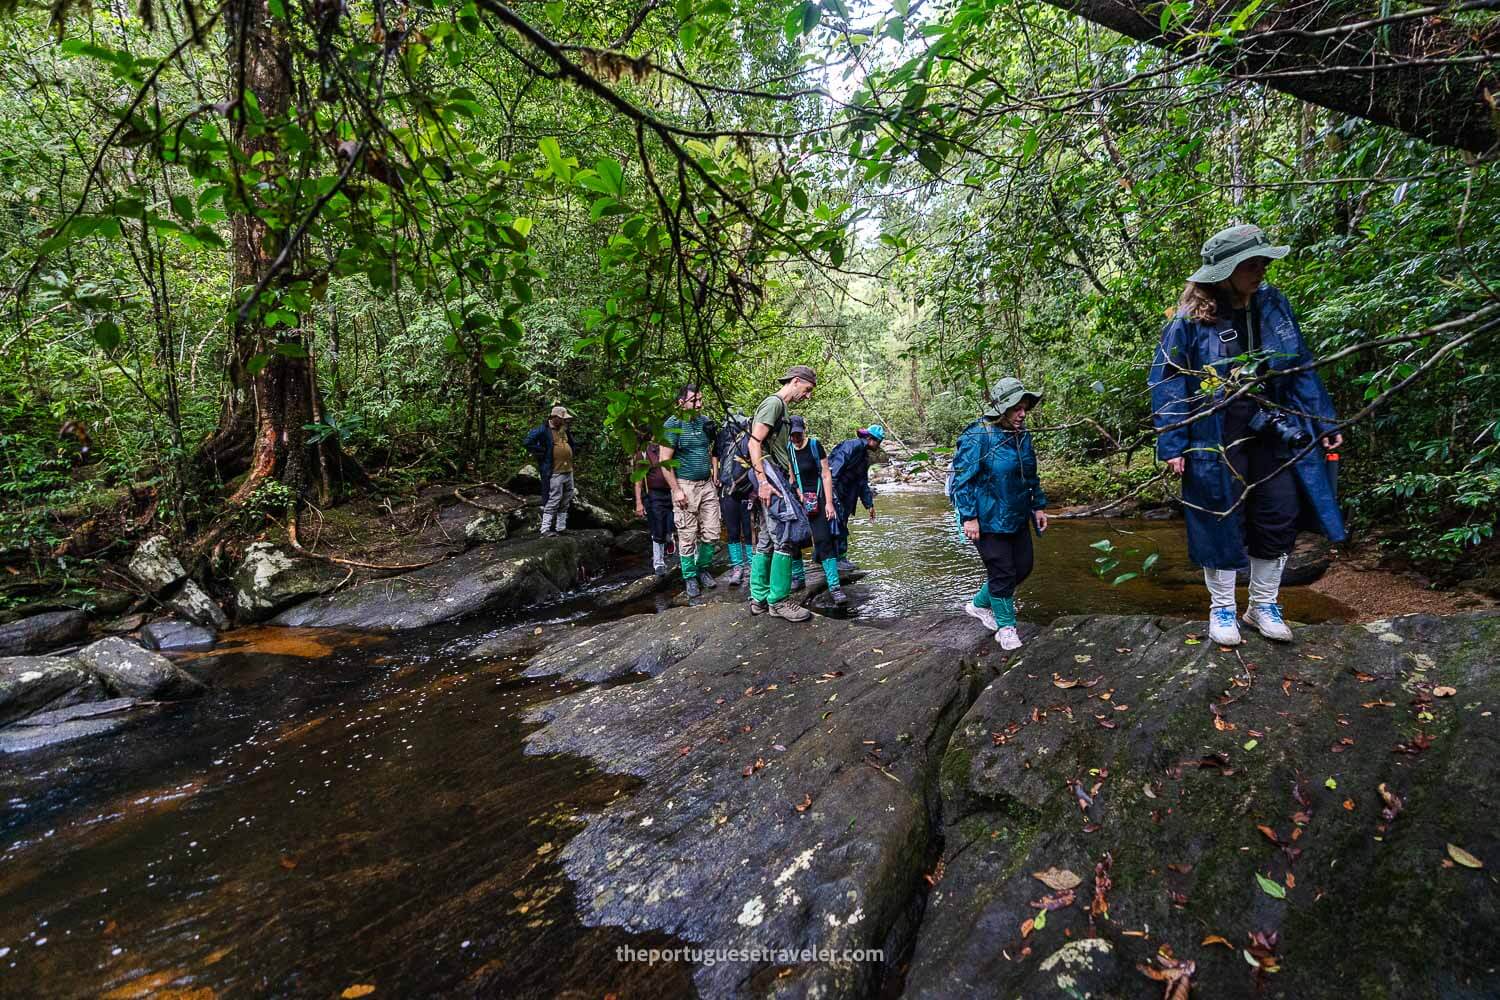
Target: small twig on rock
{"points": [[291, 534]]}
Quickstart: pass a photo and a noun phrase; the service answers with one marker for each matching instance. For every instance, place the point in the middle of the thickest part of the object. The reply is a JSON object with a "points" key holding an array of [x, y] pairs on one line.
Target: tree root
{"points": [[291, 534]]}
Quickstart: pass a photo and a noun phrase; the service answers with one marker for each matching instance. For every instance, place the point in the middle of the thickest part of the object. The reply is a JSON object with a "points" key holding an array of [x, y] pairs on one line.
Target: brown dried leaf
{"points": [[1064, 683], [1444, 692], [805, 804], [1270, 834], [357, 990], [1377, 703], [1216, 939], [1057, 879]]}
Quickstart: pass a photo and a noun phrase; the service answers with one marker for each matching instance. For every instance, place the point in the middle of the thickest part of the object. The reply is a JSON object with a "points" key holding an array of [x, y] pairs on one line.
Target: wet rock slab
{"points": [[515, 573], [789, 776], [39, 633], [1193, 813]]}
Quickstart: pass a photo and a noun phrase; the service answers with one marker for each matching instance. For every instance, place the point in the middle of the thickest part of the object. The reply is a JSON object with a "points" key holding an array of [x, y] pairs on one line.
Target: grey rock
{"points": [[271, 578], [1371, 907], [63, 725], [133, 672], [39, 633], [526, 481], [193, 603], [846, 722], [155, 565], [633, 541], [487, 526], [175, 634], [30, 684], [513, 574], [585, 514]]}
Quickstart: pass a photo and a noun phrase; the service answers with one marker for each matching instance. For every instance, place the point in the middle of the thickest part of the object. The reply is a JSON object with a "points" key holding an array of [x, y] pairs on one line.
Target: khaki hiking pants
{"points": [[699, 520]]}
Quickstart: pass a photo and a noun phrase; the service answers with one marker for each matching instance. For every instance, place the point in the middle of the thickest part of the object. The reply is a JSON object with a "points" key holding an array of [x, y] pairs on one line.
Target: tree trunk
{"points": [[1359, 73]]}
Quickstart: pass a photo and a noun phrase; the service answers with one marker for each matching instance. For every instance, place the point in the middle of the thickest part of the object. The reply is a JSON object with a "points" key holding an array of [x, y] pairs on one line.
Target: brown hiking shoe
{"points": [[790, 611]]}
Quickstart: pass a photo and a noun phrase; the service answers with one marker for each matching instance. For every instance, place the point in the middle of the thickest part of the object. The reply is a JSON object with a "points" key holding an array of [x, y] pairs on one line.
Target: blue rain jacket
{"points": [[849, 464], [1187, 352], [994, 478]]}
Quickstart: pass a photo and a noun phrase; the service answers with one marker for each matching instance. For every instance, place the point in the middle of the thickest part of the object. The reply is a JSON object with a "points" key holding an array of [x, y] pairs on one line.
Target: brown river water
{"points": [[347, 810]]}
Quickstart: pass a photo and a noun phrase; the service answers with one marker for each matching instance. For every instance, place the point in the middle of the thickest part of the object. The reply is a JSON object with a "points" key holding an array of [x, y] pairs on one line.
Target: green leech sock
{"points": [[760, 576], [1005, 611], [781, 578], [982, 596], [831, 572], [705, 556], [736, 554], [689, 567]]}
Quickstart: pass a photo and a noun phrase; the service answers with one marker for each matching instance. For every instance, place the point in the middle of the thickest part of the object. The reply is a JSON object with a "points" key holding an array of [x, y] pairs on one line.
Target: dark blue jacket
{"points": [[994, 478], [1187, 351], [849, 464], [539, 443]]}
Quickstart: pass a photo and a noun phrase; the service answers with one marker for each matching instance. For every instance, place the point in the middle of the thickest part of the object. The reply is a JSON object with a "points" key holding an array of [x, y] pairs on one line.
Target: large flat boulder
{"points": [[155, 565], [39, 633], [788, 785], [63, 725], [30, 684], [1280, 816], [515, 573]]}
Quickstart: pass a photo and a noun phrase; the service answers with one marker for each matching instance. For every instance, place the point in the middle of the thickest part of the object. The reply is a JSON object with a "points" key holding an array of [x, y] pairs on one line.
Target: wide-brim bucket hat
{"points": [[1224, 251], [1009, 392]]}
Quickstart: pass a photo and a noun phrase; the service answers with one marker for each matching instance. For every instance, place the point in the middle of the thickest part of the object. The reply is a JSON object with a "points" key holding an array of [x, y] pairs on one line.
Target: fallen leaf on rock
{"points": [[1273, 889], [1251, 744], [1027, 925], [1179, 867], [1415, 745], [1363, 677], [1091, 828], [1343, 744], [1349, 805], [1105, 723], [1082, 658], [1174, 974], [1216, 939], [1064, 683], [362, 989], [1223, 726], [1444, 692], [1057, 878], [1191, 642], [1393, 806], [1291, 881], [1270, 834], [288, 863], [1463, 857], [778, 748], [805, 804], [685, 749], [1179, 899], [1312, 656], [936, 875], [1331, 785], [1122, 649], [1377, 703]]}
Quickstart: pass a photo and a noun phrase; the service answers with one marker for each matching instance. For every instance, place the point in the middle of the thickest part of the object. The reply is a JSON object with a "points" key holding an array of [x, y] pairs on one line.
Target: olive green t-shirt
{"points": [[772, 412]]}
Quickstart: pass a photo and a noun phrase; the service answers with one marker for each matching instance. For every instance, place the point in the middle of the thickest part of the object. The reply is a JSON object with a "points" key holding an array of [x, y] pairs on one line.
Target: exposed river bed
{"points": [[346, 809]]}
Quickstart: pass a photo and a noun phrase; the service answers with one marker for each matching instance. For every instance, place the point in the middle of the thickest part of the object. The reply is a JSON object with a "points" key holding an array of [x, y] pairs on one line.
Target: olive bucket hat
{"points": [[1007, 393], [1228, 247]]}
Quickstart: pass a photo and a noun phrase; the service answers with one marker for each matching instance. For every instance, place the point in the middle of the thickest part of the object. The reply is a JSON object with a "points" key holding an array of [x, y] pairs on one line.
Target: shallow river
{"points": [[347, 810]]}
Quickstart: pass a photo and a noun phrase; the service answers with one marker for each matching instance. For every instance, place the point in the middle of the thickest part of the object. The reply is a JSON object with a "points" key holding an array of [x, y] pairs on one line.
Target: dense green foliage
{"points": [[444, 219]]}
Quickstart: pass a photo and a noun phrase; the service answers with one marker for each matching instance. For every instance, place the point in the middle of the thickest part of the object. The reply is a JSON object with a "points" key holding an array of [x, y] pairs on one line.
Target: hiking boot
{"points": [[790, 611], [1008, 637], [845, 566], [735, 576], [690, 586], [706, 578], [799, 583], [1266, 619], [758, 607], [985, 615], [1221, 627], [839, 597], [660, 569]]}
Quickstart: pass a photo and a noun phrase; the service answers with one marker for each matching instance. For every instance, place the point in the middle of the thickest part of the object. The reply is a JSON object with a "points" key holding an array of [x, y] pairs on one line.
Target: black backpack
{"points": [[734, 455]]}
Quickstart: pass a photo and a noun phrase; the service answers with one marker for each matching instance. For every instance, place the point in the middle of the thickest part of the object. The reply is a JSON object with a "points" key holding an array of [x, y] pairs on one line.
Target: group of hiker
{"points": [[1238, 408], [763, 485]]}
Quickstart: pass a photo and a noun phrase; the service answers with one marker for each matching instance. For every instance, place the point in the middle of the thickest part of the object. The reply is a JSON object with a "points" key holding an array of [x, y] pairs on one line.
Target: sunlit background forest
{"points": [[351, 250]]}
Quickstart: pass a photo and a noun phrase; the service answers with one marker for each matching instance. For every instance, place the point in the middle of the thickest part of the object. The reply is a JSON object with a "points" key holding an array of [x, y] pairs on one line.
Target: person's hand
{"points": [[1176, 466], [1041, 520], [765, 490], [679, 499], [872, 513], [640, 509], [1333, 441], [971, 529], [829, 512]]}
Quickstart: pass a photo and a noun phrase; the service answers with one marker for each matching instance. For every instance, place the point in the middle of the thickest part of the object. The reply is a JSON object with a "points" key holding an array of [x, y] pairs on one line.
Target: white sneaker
{"points": [[1008, 637], [1266, 619], [1222, 628], [985, 615]]}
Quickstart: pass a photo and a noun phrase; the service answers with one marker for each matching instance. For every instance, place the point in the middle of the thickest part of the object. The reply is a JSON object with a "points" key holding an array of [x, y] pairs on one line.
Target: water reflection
{"points": [[918, 562]]}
